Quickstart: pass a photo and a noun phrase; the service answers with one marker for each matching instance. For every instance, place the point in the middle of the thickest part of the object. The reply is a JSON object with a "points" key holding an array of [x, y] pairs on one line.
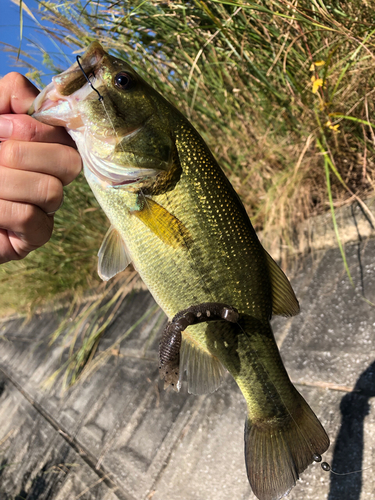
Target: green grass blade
{"points": [[21, 28], [354, 119], [332, 208]]}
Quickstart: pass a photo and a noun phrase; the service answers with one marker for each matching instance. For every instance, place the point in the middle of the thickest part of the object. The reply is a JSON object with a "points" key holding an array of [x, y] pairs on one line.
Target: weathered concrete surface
{"points": [[354, 222], [119, 436]]}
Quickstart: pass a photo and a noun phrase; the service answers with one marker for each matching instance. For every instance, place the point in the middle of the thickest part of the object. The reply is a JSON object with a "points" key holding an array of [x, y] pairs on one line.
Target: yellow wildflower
{"points": [[330, 125], [316, 64], [317, 82]]}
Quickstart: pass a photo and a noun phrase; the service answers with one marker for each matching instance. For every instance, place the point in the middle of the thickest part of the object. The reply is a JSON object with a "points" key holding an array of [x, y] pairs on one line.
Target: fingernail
{"points": [[6, 128]]}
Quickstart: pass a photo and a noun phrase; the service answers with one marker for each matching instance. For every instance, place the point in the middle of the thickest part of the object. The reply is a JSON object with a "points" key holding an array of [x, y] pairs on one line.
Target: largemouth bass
{"points": [[176, 217]]}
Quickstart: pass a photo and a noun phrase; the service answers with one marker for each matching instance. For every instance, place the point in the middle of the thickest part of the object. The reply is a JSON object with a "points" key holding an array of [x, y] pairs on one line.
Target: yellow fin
{"points": [[162, 223], [284, 301]]}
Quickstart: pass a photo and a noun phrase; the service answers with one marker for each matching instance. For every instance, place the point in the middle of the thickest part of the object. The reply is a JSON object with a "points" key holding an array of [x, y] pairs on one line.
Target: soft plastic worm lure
{"points": [[169, 346]]}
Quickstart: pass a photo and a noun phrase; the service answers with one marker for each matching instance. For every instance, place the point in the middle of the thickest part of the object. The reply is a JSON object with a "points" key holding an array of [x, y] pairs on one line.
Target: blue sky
{"points": [[10, 33]]}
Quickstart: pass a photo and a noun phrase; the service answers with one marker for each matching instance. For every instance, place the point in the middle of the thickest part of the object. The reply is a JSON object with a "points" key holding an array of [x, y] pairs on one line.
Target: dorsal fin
{"points": [[203, 370], [113, 255], [284, 301]]}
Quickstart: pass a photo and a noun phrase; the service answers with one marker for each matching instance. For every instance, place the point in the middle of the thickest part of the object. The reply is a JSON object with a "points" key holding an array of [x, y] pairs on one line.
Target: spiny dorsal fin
{"points": [[204, 372], [162, 223], [284, 301], [113, 255]]}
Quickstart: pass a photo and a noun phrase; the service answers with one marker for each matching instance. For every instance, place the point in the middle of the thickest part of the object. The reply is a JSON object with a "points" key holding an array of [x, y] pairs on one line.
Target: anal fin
{"points": [[204, 372]]}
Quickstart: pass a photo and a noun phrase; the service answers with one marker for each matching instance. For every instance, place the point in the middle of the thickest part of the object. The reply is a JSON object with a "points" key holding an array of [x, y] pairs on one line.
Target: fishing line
{"points": [[327, 468], [88, 80], [100, 99]]}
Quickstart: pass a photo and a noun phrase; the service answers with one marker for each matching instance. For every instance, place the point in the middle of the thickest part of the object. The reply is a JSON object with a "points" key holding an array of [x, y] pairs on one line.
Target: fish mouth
{"points": [[52, 108], [57, 103]]}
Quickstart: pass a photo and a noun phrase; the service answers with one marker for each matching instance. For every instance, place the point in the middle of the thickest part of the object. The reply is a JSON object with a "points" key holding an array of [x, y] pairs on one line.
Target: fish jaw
{"points": [[58, 103], [51, 108]]}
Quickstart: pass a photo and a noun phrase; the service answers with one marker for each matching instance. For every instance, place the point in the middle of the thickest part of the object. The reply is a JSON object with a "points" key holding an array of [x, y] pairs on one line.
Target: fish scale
{"points": [[176, 217]]}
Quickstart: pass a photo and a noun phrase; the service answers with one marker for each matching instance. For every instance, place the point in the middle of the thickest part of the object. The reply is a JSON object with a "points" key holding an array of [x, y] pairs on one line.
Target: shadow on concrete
{"points": [[348, 451], [47, 482]]}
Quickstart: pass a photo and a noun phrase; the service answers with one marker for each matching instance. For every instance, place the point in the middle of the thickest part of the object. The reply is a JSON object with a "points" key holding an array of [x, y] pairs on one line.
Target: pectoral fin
{"points": [[284, 301], [113, 255], [162, 223]]}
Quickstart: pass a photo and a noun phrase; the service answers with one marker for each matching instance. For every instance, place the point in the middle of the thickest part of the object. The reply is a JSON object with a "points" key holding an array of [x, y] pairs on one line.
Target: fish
{"points": [[176, 217]]}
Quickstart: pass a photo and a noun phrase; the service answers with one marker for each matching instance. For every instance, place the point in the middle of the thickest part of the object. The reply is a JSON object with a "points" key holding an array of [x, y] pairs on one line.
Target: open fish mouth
{"points": [[62, 102], [54, 107], [57, 103]]}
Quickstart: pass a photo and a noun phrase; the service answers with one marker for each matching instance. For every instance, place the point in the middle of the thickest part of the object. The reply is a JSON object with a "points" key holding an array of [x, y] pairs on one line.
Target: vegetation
{"points": [[282, 92]]}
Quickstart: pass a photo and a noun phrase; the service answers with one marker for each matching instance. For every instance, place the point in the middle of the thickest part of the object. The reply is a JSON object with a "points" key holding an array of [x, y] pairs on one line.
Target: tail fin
{"points": [[277, 452]]}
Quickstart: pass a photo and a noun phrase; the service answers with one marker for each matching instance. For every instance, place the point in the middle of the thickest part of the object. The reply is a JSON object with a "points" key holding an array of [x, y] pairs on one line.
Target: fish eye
{"points": [[124, 81]]}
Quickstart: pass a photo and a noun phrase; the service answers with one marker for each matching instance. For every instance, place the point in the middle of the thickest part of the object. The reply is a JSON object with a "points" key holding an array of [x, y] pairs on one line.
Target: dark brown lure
{"points": [[170, 344]]}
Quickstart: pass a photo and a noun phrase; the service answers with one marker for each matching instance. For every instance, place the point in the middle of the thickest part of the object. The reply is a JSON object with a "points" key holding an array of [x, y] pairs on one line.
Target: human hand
{"points": [[36, 161]]}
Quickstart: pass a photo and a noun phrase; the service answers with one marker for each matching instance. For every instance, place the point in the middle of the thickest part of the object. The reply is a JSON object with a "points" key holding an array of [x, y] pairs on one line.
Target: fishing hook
{"points": [[88, 80]]}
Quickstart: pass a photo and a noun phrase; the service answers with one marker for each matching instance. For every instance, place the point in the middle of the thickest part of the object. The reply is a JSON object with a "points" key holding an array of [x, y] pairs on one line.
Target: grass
{"points": [[84, 325], [282, 91]]}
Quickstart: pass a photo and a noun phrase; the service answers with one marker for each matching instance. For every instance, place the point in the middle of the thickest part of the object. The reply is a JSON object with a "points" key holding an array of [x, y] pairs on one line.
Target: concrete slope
{"points": [[118, 435]]}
